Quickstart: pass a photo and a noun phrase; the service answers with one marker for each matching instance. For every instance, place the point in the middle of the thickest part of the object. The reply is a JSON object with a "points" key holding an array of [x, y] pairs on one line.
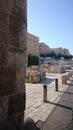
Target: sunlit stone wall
{"points": [[32, 44]]}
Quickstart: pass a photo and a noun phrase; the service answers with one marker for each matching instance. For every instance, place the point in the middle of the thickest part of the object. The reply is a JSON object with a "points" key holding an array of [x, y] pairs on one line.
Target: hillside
{"points": [[45, 49]]}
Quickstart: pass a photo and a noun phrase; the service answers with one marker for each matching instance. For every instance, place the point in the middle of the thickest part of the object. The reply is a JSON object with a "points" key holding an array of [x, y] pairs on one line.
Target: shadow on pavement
{"points": [[59, 105], [65, 92], [70, 84], [47, 81], [61, 118]]}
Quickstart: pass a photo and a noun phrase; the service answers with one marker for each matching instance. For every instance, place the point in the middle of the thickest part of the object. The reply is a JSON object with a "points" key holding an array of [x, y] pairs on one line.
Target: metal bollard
{"points": [[56, 84], [44, 93]]}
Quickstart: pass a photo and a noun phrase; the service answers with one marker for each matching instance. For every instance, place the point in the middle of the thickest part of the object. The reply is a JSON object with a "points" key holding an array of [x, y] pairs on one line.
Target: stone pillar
{"points": [[13, 33], [64, 79]]}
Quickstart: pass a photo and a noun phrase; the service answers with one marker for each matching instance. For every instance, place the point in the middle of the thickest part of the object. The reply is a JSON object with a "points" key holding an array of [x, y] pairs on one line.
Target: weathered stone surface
{"points": [[13, 123], [45, 66], [20, 80], [70, 74], [13, 29], [67, 67], [64, 79], [33, 68], [32, 44], [13, 37], [3, 108], [34, 74], [56, 69], [1, 3], [3, 54], [52, 68], [35, 79], [16, 104], [3, 22], [15, 50], [7, 80], [16, 59]]}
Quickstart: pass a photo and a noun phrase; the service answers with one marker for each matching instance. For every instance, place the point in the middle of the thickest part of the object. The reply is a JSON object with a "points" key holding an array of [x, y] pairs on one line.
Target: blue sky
{"points": [[52, 22]]}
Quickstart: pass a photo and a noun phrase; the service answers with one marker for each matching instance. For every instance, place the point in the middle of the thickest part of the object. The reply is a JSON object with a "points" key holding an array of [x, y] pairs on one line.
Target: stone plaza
{"points": [[36, 108]]}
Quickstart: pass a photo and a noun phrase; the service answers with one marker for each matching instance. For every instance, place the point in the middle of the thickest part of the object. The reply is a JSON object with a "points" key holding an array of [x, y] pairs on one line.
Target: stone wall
{"points": [[13, 33], [56, 69], [52, 68], [32, 44], [34, 75]]}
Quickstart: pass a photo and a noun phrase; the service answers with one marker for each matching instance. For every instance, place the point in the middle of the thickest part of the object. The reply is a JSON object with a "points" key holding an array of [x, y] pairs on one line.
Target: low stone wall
{"points": [[70, 74], [34, 75], [45, 67], [56, 69], [67, 67], [53, 69], [66, 77]]}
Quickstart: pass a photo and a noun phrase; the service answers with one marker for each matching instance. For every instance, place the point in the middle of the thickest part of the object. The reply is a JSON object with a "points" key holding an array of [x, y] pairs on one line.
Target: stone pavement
{"points": [[35, 107], [61, 118]]}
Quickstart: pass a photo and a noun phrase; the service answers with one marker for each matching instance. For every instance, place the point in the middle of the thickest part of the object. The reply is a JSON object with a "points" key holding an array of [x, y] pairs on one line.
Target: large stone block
{"points": [[3, 54], [15, 57], [70, 74], [3, 21], [36, 79], [7, 80], [3, 108], [16, 104], [13, 123], [17, 27], [64, 79]]}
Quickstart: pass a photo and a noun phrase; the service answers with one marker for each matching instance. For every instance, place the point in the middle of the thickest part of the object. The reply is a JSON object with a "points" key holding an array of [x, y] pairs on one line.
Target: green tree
{"points": [[33, 60]]}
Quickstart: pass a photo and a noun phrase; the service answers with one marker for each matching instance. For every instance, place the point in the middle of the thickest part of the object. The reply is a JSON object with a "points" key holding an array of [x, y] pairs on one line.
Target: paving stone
{"points": [[39, 110]]}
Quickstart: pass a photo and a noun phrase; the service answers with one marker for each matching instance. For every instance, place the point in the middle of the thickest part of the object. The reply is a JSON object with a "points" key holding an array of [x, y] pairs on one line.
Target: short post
{"points": [[56, 84], [44, 93]]}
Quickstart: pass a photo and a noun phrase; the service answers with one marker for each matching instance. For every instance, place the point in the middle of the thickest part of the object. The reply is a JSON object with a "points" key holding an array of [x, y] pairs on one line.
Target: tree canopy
{"points": [[56, 56]]}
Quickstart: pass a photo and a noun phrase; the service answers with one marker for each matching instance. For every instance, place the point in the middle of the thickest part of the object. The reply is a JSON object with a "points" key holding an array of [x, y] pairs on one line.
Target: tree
{"points": [[33, 60]]}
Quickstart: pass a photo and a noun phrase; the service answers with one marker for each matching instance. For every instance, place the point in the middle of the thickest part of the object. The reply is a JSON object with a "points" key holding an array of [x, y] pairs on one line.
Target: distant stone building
{"points": [[32, 45], [66, 52], [44, 49], [61, 50]]}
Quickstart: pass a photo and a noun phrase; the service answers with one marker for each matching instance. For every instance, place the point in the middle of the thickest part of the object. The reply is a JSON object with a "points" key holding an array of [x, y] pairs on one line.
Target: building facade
{"points": [[32, 45]]}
